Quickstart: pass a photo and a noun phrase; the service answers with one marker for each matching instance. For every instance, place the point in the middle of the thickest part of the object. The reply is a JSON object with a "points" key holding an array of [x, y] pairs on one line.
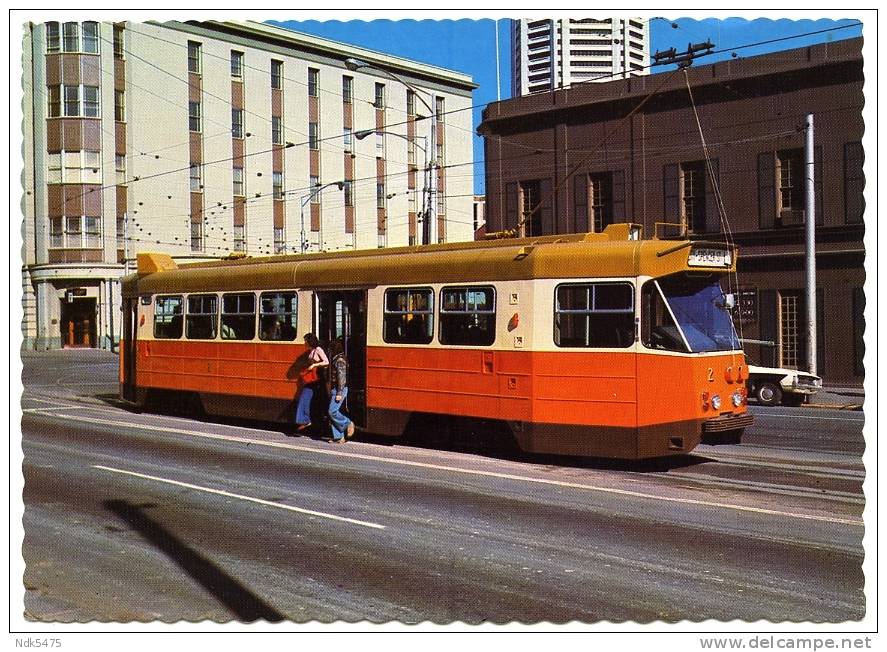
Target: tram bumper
{"points": [[727, 423]]}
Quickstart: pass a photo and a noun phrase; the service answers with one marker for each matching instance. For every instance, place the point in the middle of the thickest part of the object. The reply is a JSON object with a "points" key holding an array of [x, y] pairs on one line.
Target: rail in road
{"points": [[297, 529]]}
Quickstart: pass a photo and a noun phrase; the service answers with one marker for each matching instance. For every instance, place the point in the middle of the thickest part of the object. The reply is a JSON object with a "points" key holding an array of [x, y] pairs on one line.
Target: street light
{"points": [[365, 133], [354, 64], [305, 199]]}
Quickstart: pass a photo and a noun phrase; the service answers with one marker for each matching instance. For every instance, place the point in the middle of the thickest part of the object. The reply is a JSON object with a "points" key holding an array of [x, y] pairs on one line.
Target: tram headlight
{"points": [[716, 402], [737, 399]]}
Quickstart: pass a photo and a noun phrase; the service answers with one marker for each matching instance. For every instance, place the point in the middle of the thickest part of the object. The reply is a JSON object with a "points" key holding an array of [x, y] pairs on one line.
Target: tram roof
{"points": [[607, 254]]}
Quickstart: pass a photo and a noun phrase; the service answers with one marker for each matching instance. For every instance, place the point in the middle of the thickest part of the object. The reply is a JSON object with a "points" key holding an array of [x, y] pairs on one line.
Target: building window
{"points": [[194, 57], [380, 144], [118, 42], [237, 123], [313, 135], [276, 130], [91, 37], [74, 167], [531, 212], [72, 101], [439, 108], [440, 152], [277, 184], [71, 37], [202, 317], [412, 201], [411, 103], [693, 196], [119, 106], [236, 63], [468, 316], [91, 101], [54, 168], [313, 81], [55, 101], [238, 182], [380, 195], [411, 153], [347, 89], [600, 200], [121, 231], [279, 242], [196, 183], [790, 196], [596, 315], [348, 189], [120, 168], [379, 101], [168, 317], [409, 316], [239, 237], [238, 316], [276, 73], [52, 37], [196, 236], [194, 116], [278, 316], [314, 187], [348, 138], [75, 232], [56, 232], [854, 182]]}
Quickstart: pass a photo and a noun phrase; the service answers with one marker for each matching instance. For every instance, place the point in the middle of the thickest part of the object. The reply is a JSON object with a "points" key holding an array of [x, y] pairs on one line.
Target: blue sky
{"points": [[469, 46]]}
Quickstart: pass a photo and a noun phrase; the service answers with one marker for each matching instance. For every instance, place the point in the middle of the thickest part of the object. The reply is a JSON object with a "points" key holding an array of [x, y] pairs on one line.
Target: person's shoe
{"points": [[349, 431], [303, 426], [339, 441]]}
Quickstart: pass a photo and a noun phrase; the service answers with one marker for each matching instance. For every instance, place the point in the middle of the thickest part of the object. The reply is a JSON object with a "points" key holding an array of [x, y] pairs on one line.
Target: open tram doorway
{"points": [[78, 322], [341, 314]]}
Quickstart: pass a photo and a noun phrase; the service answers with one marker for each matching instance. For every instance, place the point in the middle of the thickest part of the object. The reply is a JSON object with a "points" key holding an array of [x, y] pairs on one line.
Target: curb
{"points": [[836, 406]]}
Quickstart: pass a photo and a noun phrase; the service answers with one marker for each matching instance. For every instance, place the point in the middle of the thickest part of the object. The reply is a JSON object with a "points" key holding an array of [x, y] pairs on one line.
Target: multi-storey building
{"points": [[554, 53], [207, 139], [631, 151]]}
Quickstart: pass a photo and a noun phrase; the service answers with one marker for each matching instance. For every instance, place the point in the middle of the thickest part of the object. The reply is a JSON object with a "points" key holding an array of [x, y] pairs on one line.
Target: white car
{"points": [[774, 386]]}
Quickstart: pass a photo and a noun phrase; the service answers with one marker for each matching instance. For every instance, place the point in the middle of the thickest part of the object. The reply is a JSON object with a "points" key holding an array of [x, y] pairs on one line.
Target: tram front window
{"points": [[688, 314]]}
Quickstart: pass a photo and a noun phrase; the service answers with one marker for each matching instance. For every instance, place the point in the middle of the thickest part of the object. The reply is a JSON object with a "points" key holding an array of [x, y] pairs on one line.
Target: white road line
{"points": [[489, 474], [53, 408], [781, 415], [228, 494]]}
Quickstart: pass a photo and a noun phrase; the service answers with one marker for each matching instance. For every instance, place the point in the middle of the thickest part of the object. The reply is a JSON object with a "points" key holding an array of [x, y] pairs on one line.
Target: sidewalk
{"points": [[838, 398]]}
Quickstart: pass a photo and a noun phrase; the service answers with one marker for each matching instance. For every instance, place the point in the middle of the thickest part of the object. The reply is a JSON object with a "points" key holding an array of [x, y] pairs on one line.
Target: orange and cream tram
{"points": [[600, 345]]}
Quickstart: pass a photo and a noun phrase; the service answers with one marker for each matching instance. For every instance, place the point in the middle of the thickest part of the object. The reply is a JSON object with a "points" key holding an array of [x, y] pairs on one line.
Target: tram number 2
{"points": [[711, 375]]}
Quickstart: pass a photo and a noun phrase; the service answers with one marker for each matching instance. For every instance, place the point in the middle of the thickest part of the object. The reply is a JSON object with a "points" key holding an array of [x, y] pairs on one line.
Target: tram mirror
{"points": [[728, 301]]}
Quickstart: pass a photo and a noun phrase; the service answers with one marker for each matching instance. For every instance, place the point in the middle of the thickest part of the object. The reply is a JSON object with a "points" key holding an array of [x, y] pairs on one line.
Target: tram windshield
{"points": [[688, 313]]}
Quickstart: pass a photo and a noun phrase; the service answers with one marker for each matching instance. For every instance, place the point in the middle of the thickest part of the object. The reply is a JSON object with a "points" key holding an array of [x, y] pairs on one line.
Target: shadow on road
{"points": [[241, 601]]}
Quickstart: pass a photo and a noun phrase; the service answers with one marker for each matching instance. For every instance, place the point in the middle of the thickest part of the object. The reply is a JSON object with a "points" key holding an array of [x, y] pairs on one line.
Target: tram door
{"points": [[130, 328], [342, 315]]}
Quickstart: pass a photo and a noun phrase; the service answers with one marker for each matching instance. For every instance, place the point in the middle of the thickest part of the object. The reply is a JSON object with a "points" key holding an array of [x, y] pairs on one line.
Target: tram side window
{"points": [[200, 322], [278, 318], [658, 329], [238, 316], [594, 315], [468, 316], [168, 318], [409, 316]]}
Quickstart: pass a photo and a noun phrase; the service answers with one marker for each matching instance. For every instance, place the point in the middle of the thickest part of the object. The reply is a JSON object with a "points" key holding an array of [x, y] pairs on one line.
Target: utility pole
{"points": [[810, 228]]}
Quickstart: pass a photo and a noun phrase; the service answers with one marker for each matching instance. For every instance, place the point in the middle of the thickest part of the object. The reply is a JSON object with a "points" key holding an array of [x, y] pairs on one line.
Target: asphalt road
{"points": [[156, 517]]}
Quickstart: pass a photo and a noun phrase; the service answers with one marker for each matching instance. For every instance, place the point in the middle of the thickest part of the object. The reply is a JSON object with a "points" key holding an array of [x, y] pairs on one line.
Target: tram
{"points": [[598, 344]]}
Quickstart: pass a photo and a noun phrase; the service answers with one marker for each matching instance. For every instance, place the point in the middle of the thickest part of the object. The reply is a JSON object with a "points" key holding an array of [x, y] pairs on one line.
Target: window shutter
{"points": [[767, 326], [766, 189], [817, 184], [546, 216], [854, 182], [670, 191], [712, 212], [580, 203], [511, 202], [618, 196]]}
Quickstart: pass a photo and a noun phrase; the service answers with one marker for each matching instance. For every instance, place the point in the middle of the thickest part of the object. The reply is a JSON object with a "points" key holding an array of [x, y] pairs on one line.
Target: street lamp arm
{"points": [[364, 133], [355, 64]]}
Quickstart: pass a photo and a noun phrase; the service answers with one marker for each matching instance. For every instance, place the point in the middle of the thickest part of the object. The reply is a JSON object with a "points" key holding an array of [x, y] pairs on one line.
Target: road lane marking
{"points": [[228, 494], [783, 415], [477, 472], [53, 408]]}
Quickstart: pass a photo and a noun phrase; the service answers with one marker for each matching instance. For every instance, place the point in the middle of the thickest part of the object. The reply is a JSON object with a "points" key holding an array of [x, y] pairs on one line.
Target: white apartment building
{"points": [[210, 139], [554, 53]]}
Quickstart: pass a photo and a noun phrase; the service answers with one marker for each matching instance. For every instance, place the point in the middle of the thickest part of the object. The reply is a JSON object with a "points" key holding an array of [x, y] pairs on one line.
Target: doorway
{"points": [[341, 314], [78, 323]]}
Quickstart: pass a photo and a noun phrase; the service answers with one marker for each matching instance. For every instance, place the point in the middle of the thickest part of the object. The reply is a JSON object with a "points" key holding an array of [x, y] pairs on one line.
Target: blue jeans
{"points": [[338, 421], [303, 408]]}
